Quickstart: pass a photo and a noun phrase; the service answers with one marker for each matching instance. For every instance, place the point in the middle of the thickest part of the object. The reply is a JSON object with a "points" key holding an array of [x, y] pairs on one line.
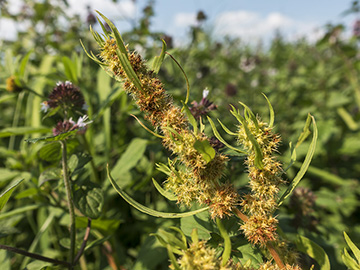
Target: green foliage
{"points": [[297, 77]]}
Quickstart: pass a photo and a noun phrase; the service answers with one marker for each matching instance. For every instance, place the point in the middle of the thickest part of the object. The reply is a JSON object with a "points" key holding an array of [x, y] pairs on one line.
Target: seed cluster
{"points": [[261, 202], [197, 180]]}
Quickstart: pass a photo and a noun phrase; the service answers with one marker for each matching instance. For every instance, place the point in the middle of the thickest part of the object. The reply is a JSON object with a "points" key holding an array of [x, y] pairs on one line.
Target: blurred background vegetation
{"points": [[299, 77]]}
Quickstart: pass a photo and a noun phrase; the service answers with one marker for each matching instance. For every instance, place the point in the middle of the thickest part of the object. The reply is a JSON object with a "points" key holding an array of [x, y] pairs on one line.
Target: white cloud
{"points": [[116, 10], [184, 20], [251, 26]]}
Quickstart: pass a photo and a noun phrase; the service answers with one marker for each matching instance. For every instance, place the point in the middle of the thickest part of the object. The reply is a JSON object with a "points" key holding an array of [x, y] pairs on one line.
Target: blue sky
{"points": [[251, 20]]}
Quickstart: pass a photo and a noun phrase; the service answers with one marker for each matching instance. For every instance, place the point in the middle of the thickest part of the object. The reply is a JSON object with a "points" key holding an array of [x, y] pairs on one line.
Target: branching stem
{"points": [[34, 255]]}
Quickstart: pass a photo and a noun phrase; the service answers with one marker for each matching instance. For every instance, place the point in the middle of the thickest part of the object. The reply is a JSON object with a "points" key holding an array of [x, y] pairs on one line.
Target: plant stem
{"points": [[34, 255], [83, 245], [70, 203], [275, 255]]}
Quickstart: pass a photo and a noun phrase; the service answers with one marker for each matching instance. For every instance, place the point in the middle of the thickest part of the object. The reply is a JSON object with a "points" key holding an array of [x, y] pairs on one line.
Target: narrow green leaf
{"points": [[194, 236], [251, 114], [228, 131], [130, 158], [347, 118], [205, 149], [159, 59], [271, 111], [305, 164], [353, 248], [18, 211], [163, 168], [312, 249], [174, 132], [125, 63], [305, 133], [147, 210], [5, 196], [227, 242], [172, 239], [218, 136], [186, 78], [23, 64], [45, 226], [183, 237], [147, 129], [258, 153], [116, 33], [172, 258], [70, 69], [167, 194], [89, 199], [349, 261], [107, 226], [191, 118], [60, 137], [7, 132], [92, 57], [5, 98]]}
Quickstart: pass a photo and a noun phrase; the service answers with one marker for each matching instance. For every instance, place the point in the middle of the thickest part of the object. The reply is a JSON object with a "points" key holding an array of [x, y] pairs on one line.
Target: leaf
{"points": [[147, 210], [349, 261], [7, 132], [159, 59], [167, 194], [130, 157], [186, 78], [5, 196], [172, 258], [18, 211], [50, 152], [147, 129], [60, 137], [228, 131], [312, 249], [130, 73], [258, 153], [70, 69], [353, 248], [227, 242], [218, 136], [271, 111], [191, 118], [205, 149], [202, 222], [347, 118], [107, 226], [22, 66], [247, 111], [89, 200], [305, 164], [48, 175], [122, 54], [151, 255]]}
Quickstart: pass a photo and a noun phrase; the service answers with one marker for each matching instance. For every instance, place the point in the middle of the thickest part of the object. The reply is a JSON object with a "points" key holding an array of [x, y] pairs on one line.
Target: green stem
{"points": [[227, 242], [70, 203]]}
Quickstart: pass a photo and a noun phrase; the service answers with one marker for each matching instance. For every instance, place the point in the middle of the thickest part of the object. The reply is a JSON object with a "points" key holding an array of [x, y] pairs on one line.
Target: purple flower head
{"points": [[66, 95], [203, 107], [69, 125]]}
